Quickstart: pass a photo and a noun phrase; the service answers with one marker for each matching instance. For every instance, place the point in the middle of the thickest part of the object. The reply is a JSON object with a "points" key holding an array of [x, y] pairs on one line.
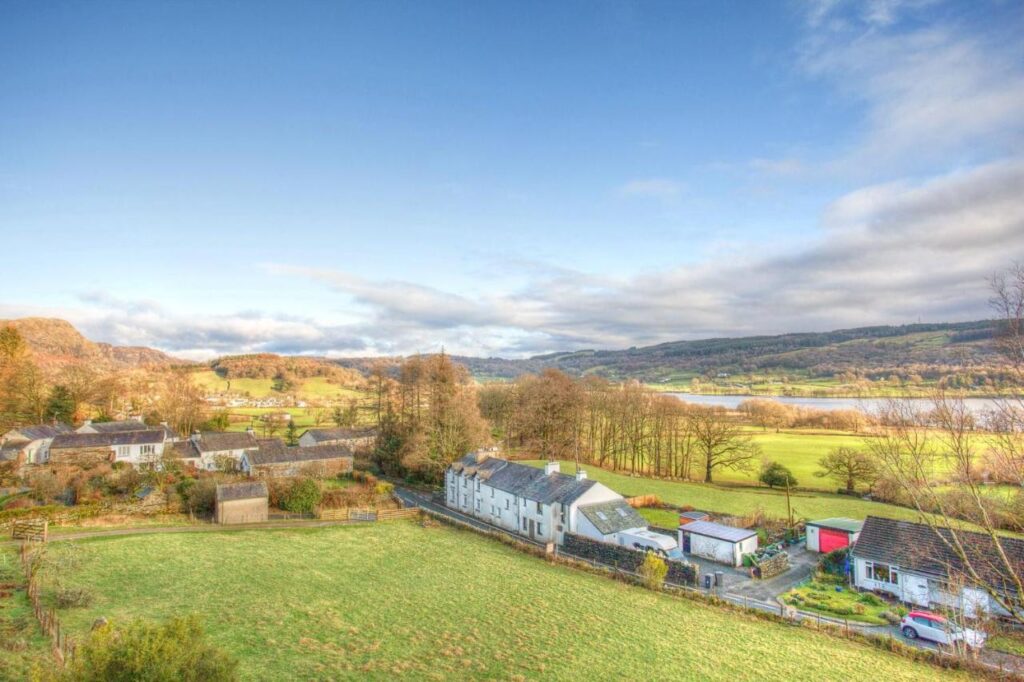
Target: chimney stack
{"points": [[581, 475], [551, 468], [196, 436]]}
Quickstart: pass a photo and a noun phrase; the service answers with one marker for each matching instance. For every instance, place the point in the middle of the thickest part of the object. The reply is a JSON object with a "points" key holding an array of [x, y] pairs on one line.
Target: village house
{"points": [[542, 504], [270, 460], [138, 448], [132, 424], [912, 562], [30, 444], [212, 450], [354, 438], [245, 502]]}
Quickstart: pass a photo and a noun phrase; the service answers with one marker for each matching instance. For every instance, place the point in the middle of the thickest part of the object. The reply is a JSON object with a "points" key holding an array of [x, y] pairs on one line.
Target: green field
{"points": [[22, 645], [313, 388], [799, 451], [737, 500], [397, 600]]}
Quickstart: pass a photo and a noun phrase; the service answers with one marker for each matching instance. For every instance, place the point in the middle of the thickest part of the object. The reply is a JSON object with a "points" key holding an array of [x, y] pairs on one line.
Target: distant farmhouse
{"points": [[30, 444], [912, 562], [271, 460], [544, 504], [354, 438]]}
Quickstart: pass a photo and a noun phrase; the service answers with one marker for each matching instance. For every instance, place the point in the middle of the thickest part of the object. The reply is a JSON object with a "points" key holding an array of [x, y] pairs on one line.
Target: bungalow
{"points": [[354, 438], [139, 448], [914, 563], [273, 459], [828, 535], [715, 541], [211, 450], [542, 504], [30, 444]]}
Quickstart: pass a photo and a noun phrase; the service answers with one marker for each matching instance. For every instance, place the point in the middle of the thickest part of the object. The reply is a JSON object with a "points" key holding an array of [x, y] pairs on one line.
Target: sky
{"points": [[504, 179]]}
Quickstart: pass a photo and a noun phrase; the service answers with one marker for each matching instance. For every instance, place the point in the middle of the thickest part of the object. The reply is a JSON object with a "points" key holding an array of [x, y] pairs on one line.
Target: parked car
{"points": [[938, 629], [645, 540]]}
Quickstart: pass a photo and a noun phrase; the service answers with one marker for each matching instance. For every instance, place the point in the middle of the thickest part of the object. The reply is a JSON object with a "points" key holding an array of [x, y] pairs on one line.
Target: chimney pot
{"points": [[581, 475]]}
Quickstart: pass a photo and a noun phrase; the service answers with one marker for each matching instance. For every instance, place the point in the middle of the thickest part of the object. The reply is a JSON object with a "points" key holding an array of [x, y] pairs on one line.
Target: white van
{"points": [[643, 539]]}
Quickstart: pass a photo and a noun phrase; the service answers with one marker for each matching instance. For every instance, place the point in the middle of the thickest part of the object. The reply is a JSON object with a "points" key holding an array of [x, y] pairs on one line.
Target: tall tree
{"points": [[848, 466], [721, 442]]}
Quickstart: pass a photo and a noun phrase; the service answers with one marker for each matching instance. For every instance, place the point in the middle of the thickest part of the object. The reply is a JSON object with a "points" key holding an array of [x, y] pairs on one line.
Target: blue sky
{"points": [[504, 178]]}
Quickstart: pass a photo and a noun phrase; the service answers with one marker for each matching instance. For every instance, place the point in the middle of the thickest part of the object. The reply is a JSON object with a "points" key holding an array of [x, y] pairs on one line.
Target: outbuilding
{"points": [[691, 516], [717, 542], [828, 535], [242, 502]]}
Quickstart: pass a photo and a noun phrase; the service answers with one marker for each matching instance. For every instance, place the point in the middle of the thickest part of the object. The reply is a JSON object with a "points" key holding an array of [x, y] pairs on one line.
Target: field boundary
{"points": [[61, 645]]}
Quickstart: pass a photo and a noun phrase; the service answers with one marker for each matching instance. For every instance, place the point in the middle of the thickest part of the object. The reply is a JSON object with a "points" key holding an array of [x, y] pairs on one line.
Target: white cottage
{"points": [[212, 450], [541, 504], [912, 562]]}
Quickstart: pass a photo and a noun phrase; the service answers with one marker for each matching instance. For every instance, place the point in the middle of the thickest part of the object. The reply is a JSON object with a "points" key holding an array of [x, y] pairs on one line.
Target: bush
{"points": [[141, 650], [653, 571], [383, 488], [859, 609], [73, 597], [303, 496], [871, 599], [891, 617], [198, 496]]}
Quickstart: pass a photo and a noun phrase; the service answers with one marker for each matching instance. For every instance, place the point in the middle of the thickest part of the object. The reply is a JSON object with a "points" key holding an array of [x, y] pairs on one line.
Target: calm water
{"points": [[869, 405]]}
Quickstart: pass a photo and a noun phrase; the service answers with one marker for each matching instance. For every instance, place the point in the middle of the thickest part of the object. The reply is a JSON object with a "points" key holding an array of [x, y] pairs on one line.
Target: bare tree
{"points": [[721, 442], [848, 466]]}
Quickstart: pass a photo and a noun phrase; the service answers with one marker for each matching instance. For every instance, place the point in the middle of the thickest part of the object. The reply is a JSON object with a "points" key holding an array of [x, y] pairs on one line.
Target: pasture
{"points": [[737, 500], [395, 599]]}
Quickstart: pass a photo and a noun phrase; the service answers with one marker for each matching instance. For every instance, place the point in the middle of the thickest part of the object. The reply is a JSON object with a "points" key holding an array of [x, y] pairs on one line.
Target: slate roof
{"points": [[838, 523], [181, 450], [98, 440], [241, 491], [38, 431], [217, 441], [9, 453], [284, 455], [718, 531], [118, 426], [695, 515], [613, 516], [325, 435], [523, 480], [918, 548]]}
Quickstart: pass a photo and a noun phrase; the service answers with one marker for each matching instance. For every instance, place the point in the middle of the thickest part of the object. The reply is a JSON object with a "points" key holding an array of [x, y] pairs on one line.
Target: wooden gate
{"points": [[30, 529]]}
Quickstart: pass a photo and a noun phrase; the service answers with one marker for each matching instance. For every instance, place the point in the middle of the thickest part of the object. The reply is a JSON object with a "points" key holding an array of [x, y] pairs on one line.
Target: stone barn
{"points": [[241, 502]]}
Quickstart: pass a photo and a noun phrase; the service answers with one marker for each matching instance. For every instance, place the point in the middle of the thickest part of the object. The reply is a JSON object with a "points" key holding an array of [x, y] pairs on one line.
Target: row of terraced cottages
{"points": [[545, 504], [143, 446]]}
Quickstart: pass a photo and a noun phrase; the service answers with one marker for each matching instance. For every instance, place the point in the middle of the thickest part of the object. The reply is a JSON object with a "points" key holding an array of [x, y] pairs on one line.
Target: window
{"points": [[478, 485], [524, 524], [882, 573], [540, 529], [540, 509], [147, 449], [492, 493], [478, 505], [463, 482], [563, 514], [123, 451], [507, 505], [601, 516], [622, 512]]}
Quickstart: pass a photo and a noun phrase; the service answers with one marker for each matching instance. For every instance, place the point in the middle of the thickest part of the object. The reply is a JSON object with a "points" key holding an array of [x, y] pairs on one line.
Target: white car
{"points": [[938, 629]]}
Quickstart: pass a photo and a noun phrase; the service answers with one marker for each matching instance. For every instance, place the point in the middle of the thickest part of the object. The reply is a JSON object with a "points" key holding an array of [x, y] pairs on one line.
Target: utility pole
{"points": [[789, 509]]}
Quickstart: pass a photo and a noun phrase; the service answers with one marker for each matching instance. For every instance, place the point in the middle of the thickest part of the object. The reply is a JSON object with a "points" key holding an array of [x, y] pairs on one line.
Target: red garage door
{"points": [[830, 540]]}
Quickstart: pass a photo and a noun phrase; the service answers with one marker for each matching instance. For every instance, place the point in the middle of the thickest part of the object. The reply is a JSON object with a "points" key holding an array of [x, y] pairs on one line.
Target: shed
{"points": [[828, 535], [717, 542], [242, 502], [691, 516]]}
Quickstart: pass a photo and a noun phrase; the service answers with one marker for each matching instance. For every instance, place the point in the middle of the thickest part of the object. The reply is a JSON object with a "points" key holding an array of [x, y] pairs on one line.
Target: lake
{"points": [[869, 405]]}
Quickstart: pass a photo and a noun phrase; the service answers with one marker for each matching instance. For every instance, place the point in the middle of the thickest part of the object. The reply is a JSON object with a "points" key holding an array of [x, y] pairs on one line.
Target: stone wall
{"points": [[679, 572], [82, 457]]}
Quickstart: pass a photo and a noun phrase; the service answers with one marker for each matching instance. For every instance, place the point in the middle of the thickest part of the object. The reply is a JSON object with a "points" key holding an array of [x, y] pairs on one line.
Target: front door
{"points": [[532, 529], [686, 542]]}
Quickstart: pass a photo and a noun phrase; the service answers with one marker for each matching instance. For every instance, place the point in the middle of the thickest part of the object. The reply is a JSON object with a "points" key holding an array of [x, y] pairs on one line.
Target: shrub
{"points": [[859, 609], [871, 599], [303, 496], [890, 617], [198, 496], [73, 597], [383, 488], [141, 650], [653, 571]]}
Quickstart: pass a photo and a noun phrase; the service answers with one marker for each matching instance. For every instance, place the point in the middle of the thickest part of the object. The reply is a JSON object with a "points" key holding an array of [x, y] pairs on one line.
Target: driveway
{"points": [[801, 567]]}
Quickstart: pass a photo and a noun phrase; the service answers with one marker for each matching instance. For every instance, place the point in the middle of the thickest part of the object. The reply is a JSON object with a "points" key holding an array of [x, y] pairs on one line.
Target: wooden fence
{"points": [[62, 646], [29, 529], [365, 514]]}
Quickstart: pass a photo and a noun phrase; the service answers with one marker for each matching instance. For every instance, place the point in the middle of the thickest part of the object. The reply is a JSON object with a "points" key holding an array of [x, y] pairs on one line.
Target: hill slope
{"points": [[55, 344]]}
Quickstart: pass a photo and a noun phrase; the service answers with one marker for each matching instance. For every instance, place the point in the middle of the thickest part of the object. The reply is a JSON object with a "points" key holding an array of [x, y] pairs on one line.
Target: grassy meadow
{"points": [[313, 388], [737, 500], [394, 599]]}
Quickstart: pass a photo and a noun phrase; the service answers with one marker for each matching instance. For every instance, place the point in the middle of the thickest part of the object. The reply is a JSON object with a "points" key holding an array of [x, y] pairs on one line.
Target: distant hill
{"points": [[931, 350], [56, 344]]}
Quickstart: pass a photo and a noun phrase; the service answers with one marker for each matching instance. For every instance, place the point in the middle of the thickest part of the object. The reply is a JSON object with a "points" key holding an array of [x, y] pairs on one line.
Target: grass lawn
{"points": [[737, 501], [394, 599], [822, 597], [799, 451], [1010, 642]]}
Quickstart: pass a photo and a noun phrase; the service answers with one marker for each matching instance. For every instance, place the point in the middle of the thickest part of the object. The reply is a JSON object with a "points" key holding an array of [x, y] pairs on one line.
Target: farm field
{"points": [[22, 646], [737, 500], [398, 600], [312, 388], [799, 451]]}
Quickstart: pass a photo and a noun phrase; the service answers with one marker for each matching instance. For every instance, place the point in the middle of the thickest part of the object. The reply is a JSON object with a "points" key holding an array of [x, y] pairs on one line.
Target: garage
{"points": [[828, 535], [724, 544]]}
